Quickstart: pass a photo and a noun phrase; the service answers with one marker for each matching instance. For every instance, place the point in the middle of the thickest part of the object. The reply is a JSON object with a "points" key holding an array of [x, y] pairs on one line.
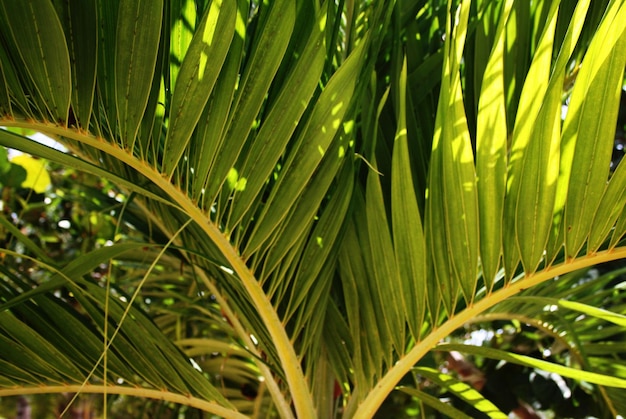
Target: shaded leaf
{"points": [[35, 27], [137, 45]]}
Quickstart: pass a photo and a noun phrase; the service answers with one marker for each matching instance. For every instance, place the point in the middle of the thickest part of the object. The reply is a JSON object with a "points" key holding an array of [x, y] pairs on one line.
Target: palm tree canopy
{"points": [[322, 192]]}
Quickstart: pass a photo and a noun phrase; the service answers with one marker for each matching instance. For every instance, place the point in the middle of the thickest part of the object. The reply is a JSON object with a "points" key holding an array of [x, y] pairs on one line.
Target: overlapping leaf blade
{"points": [[491, 155], [79, 19], [533, 166], [452, 208], [209, 135], [408, 234], [136, 49], [590, 122], [198, 72], [611, 205], [265, 57], [282, 120], [272, 187], [35, 28], [462, 390], [385, 275], [325, 121], [107, 12]]}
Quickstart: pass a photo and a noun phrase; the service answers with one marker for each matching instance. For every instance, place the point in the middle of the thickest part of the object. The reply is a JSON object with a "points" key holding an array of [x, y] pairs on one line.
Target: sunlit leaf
{"points": [[462, 390], [37, 177], [198, 73], [590, 377]]}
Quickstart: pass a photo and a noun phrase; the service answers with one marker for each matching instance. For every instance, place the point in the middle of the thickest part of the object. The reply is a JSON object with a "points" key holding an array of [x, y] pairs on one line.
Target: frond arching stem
{"points": [[300, 393], [388, 382]]}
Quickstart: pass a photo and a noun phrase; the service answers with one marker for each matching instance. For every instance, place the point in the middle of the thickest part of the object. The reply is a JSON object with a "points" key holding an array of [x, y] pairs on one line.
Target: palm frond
{"points": [[317, 193]]}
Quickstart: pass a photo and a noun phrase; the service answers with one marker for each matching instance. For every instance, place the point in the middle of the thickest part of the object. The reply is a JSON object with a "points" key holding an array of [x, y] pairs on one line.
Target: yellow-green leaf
{"points": [[37, 177], [408, 234], [491, 155], [590, 127]]}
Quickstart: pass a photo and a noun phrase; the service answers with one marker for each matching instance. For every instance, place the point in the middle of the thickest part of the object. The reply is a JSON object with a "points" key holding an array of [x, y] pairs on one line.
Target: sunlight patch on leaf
{"points": [[236, 183], [342, 152], [337, 108], [37, 177], [463, 391]]}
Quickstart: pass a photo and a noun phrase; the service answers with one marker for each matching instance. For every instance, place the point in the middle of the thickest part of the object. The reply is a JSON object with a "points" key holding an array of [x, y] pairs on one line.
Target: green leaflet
{"points": [[516, 64], [533, 169], [488, 34], [282, 120], [589, 310], [385, 273], [362, 306], [339, 345], [151, 129], [132, 344], [72, 273], [136, 49], [15, 376], [262, 64], [198, 73], [462, 390], [106, 86], [42, 352], [5, 98], [452, 207], [209, 135], [35, 27], [326, 279], [590, 377], [13, 98], [491, 155], [590, 128], [326, 119], [322, 242], [184, 16], [610, 207], [63, 328], [304, 210], [408, 234], [80, 22], [31, 367], [620, 229], [570, 38]]}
